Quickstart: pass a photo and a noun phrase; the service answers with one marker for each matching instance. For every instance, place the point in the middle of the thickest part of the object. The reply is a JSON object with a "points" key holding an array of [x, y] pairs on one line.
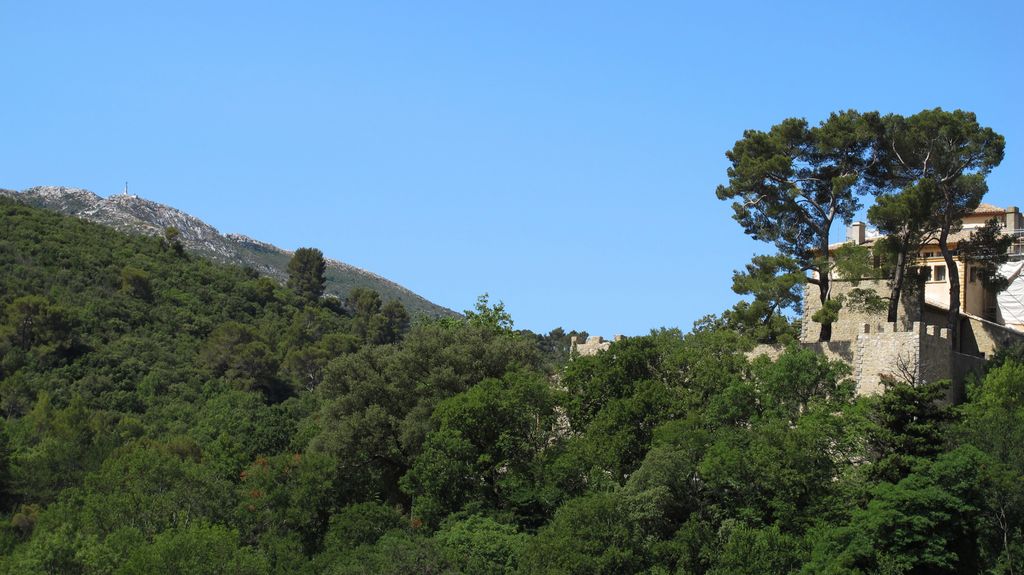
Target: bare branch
{"points": [[898, 156], [752, 203]]}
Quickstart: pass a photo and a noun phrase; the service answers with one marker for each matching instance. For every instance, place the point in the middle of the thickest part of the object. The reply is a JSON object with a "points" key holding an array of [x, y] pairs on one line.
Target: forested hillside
{"points": [[137, 215], [164, 414]]}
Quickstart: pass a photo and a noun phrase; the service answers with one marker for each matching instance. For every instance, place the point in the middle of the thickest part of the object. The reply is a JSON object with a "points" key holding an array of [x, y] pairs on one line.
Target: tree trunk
{"points": [[897, 286], [826, 328], [953, 320], [1004, 527], [824, 289]]}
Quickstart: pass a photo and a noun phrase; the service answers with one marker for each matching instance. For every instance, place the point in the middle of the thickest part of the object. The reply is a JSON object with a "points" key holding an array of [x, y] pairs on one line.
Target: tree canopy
{"points": [[944, 157], [791, 183], [306, 273], [165, 414]]}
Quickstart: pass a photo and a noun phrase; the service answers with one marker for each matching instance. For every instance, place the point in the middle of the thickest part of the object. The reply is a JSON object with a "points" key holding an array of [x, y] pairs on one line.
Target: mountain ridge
{"points": [[133, 214]]}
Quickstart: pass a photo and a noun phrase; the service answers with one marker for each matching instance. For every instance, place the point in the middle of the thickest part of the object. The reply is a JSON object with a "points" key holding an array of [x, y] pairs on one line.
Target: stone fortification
{"points": [[593, 345], [851, 321], [916, 348], [920, 354]]}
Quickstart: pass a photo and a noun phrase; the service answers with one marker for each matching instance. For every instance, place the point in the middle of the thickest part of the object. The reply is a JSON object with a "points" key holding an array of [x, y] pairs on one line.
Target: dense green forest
{"points": [[162, 414]]}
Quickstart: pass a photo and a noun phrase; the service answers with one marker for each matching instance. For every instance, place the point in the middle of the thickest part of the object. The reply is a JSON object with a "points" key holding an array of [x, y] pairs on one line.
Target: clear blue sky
{"points": [[562, 156]]}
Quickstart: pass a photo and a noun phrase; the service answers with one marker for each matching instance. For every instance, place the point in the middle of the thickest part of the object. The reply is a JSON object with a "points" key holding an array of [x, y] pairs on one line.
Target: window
{"points": [[939, 274], [974, 275]]}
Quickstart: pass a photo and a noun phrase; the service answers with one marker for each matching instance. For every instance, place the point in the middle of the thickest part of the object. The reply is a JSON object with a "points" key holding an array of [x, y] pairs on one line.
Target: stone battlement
{"points": [[916, 348], [593, 345]]}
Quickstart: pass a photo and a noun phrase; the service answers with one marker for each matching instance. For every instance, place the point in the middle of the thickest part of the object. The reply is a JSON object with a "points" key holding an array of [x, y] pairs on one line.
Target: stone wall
{"points": [[964, 366], [880, 354], [936, 357], [851, 322], [919, 354], [593, 345], [834, 350], [773, 351], [917, 347], [983, 338]]}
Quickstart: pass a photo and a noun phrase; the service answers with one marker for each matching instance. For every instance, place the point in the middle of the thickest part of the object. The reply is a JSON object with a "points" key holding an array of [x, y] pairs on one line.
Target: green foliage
{"points": [[377, 402], [35, 332], [223, 424], [374, 322], [235, 352], [865, 301], [904, 219], [172, 240], [986, 250], [286, 494], [57, 447], [776, 284], [828, 312], [791, 183], [362, 524], [945, 157], [396, 553], [136, 283], [194, 550], [601, 533], [306, 273], [853, 262], [6, 487], [907, 423], [481, 545], [493, 317], [925, 523], [151, 488], [760, 323], [753, 551], [483, 450]]}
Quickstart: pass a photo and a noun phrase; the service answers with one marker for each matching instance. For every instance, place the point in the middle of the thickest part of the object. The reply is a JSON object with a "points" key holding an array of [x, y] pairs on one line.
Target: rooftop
{"points": [[871, 235]]}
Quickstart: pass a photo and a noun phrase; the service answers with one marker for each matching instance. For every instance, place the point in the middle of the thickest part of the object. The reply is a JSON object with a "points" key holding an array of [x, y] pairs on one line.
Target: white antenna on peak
{"points": [[125, 192]]}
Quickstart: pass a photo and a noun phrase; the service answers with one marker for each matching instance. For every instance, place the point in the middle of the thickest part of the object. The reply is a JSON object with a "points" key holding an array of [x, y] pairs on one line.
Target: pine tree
{"points": [[306, 273], [791, 183], [947, 156], [986, 250]]}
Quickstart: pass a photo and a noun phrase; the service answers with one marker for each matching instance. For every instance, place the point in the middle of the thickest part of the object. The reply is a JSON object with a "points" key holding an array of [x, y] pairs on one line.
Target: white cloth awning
{"points": [[1010, 302]]}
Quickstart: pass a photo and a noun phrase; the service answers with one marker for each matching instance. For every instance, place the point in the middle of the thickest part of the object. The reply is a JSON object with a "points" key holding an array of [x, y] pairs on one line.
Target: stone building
{"points": [[974, 298], [917, 346]]}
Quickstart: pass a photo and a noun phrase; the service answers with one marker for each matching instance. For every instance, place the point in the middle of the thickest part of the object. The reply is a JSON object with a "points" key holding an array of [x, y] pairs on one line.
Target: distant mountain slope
{"points": [[137, 215]]}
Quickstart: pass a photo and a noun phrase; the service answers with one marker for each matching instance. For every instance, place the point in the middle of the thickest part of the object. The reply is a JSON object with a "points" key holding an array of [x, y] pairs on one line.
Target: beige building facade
{"points": [[974, 298], [917, 347]]}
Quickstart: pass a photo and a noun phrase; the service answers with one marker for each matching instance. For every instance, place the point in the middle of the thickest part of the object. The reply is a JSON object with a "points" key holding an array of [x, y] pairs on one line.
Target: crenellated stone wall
{"points": [[916, 348], [918, 354], [851, 321], [881, 354], [593, 345]]}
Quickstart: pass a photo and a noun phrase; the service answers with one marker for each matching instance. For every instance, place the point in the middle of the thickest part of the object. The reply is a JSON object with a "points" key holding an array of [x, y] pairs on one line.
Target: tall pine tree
{"points": [[306, 273], [791, 183]]}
